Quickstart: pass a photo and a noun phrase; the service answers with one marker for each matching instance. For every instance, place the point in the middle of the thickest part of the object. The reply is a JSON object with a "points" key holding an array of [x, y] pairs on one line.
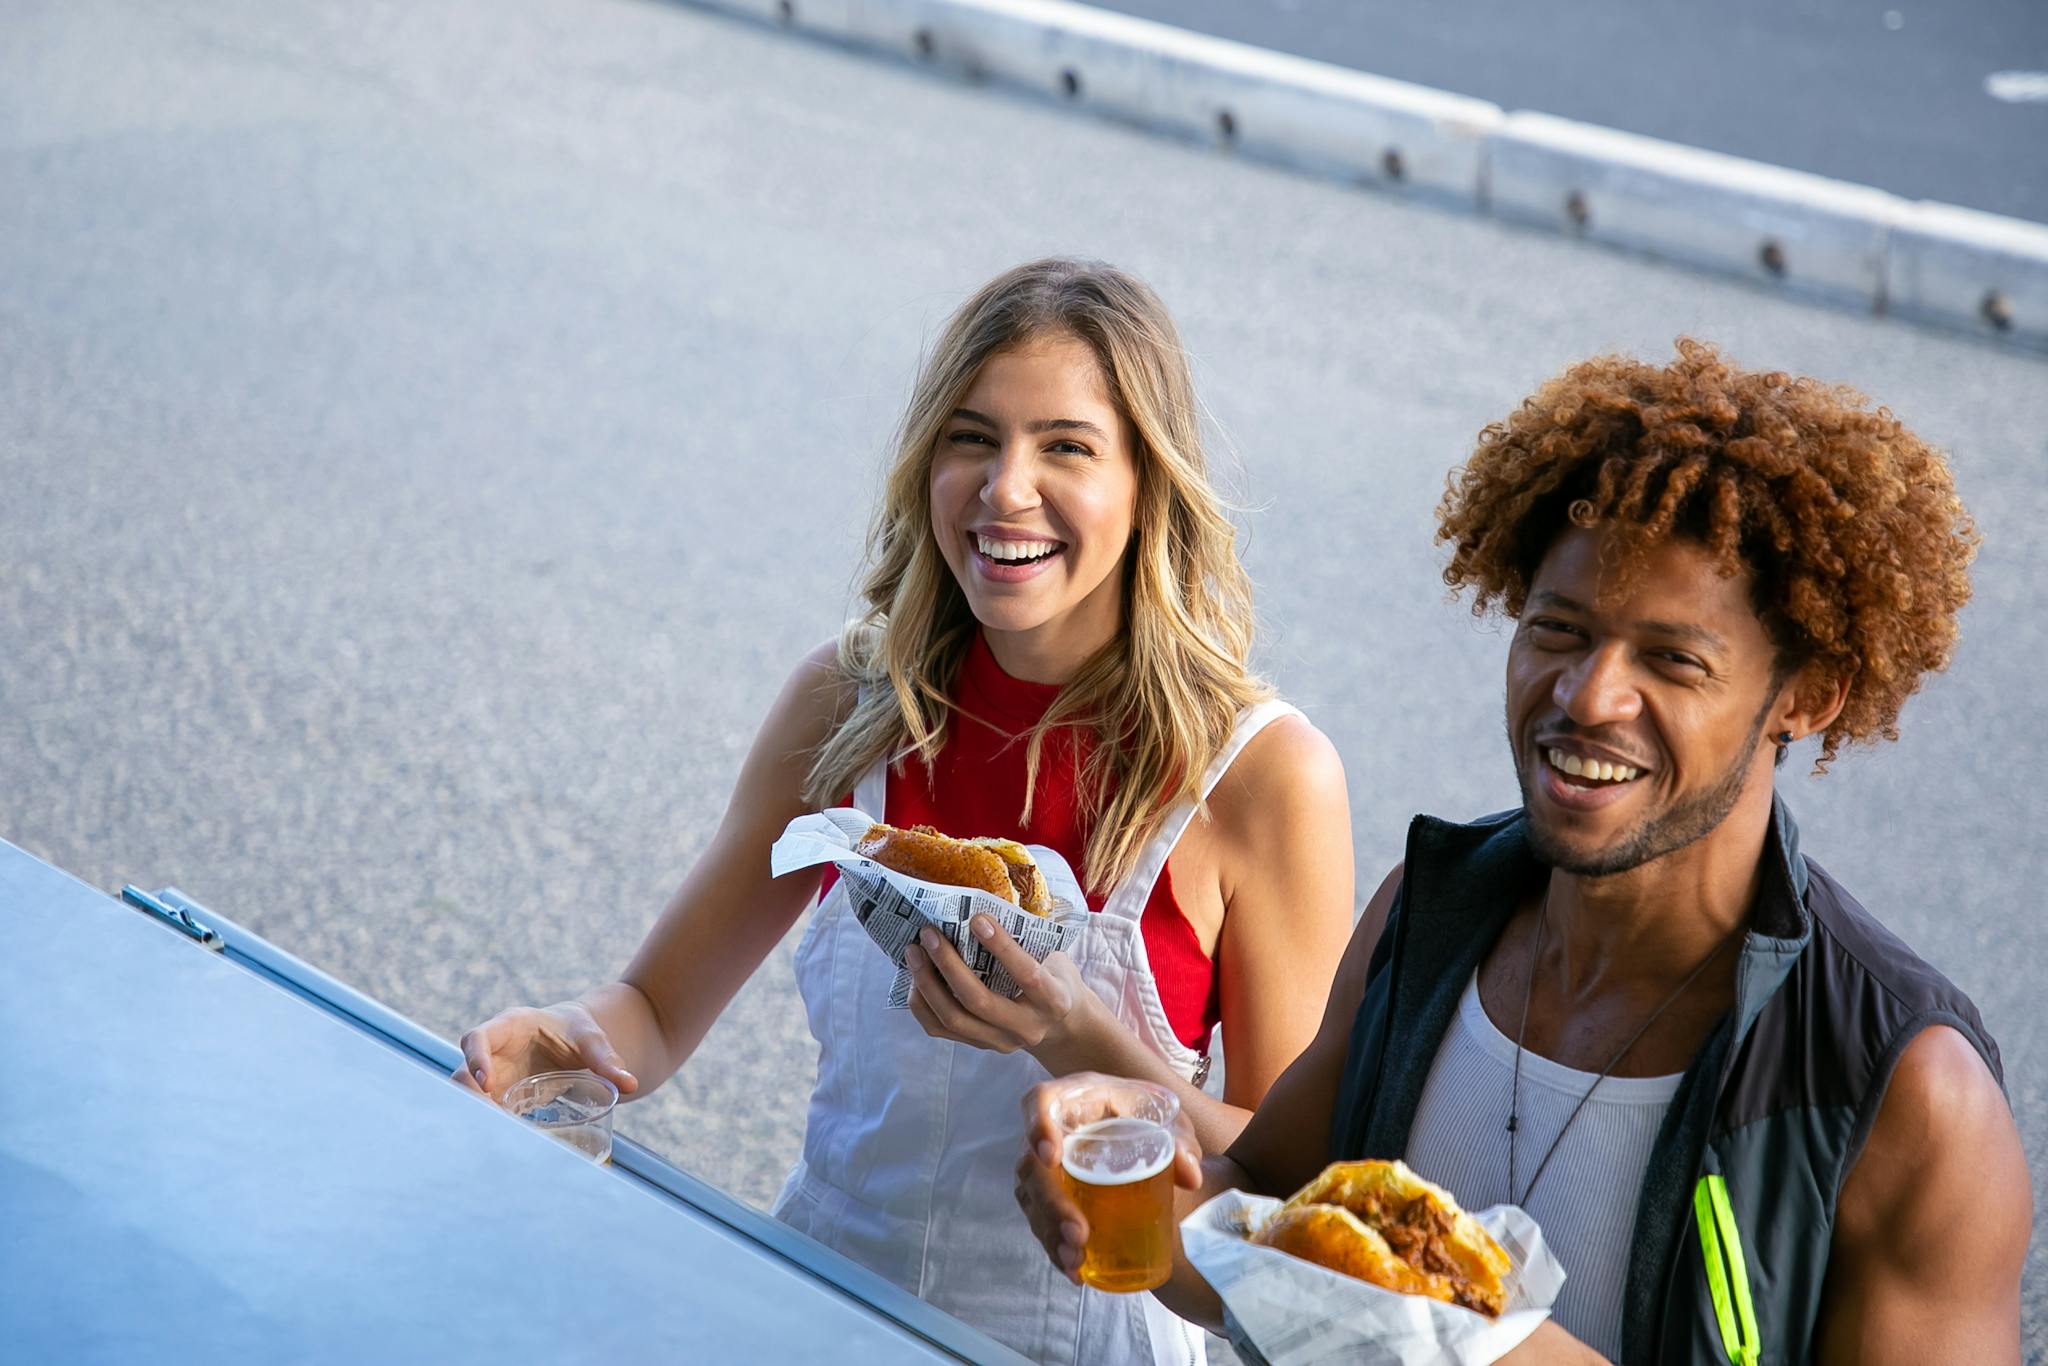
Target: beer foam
{"points": [[1117, 1152]]}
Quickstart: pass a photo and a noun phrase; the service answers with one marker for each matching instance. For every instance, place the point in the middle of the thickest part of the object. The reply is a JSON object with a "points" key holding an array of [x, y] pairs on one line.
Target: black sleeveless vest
{"points": [[1767, 1120]]}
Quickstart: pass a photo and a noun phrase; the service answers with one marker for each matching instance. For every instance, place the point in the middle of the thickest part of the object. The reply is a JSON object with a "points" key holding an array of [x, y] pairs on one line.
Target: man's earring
{"points": [[1783, 738]]}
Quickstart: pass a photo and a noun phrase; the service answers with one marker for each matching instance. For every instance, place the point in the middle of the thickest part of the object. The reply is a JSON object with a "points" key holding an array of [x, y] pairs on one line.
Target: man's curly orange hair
{"points": [[1849, 525]]}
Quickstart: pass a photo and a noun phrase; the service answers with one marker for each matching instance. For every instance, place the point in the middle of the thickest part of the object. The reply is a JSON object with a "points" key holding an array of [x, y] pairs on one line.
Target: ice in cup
{"points": [[574, 1108], [1117, 1160]]}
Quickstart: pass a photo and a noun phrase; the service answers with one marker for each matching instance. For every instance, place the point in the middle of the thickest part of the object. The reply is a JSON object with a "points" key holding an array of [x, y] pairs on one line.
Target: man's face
{"points": [[1659, 700]]}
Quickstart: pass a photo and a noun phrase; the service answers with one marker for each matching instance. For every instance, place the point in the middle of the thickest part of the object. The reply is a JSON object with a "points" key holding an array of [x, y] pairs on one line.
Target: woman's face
{"points": [[1034, 488]]}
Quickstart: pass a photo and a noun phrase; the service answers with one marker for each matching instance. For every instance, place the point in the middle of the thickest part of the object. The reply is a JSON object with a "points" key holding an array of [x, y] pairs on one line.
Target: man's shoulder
{"points": [[1481, 827], [1861, 956], [1853, 1000], [1500, 835], [1461, 874], [1944, 1140]]}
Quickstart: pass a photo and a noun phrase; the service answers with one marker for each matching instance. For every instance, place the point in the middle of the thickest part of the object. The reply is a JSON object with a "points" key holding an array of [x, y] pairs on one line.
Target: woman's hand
{"points": [[515, 1044], [951, 1002], [1056, 1221]]}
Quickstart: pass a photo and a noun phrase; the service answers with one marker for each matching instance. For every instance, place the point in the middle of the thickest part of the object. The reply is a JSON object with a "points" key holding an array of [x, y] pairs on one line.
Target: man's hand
{"points": [[1056, 1221]]}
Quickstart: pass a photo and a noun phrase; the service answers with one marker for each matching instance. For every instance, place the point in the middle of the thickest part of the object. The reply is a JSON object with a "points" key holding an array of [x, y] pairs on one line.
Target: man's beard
{"points": [[1692, 820]]}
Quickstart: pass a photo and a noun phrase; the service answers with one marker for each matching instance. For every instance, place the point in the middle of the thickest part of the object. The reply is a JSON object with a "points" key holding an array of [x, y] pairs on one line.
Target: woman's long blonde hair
{"points": [[1161, 698]]}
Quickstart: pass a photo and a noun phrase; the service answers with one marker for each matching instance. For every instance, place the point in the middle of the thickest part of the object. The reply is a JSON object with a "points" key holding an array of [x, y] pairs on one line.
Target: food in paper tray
{"points": [[903, 882], [1382, 1223], [1291, 1311], [1002, 868]]}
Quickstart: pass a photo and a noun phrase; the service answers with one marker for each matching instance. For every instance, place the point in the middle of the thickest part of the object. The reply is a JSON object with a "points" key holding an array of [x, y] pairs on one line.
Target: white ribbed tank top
{"points": [[1586, 1201]]}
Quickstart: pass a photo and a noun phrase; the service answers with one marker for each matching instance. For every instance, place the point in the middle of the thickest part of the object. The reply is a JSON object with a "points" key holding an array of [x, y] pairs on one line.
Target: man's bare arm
{"points": [[1287, 1140], [1288, 1135], [1932, 1222]]}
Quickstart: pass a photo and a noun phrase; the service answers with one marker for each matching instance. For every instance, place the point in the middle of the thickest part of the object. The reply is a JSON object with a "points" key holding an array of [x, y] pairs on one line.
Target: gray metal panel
{"points": [[659, 1176], [196, 1167]]}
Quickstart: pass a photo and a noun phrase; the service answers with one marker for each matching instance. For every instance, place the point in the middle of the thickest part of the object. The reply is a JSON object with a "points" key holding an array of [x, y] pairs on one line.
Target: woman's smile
{"points": [[1004, 556]]}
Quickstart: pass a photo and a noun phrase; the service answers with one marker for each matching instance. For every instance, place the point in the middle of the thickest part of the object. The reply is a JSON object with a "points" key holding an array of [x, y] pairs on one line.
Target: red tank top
{"points": [[976, 788]]}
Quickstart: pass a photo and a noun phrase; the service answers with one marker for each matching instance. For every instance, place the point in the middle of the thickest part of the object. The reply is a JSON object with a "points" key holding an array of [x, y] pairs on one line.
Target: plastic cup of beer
{"points": [[1118, 1164], [574, 1108]]}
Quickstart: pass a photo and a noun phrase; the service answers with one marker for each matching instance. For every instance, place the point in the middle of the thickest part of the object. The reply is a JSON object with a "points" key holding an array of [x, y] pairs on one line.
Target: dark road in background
{"points": [[1880, 92]]}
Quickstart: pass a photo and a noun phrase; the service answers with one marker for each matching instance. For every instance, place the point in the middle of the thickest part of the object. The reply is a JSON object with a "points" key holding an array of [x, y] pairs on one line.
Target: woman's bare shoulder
{"points": [[817, 696], [822, 668], [1289, 772]]}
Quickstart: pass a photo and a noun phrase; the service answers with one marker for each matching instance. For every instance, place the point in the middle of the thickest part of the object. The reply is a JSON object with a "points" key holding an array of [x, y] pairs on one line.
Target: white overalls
{"points": [[912, 1142]]}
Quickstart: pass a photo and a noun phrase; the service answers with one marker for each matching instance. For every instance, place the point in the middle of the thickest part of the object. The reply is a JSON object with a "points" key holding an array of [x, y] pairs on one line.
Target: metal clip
{"points": [[173, 913]]}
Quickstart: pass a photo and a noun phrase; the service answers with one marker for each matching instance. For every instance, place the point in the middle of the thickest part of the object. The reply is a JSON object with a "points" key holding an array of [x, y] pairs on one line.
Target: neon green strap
{"points": [[1719, 1238]]}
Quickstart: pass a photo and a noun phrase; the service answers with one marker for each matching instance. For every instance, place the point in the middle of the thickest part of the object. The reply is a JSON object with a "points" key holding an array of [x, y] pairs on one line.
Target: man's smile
{"points": [[1588, 770], [1580, 782]]}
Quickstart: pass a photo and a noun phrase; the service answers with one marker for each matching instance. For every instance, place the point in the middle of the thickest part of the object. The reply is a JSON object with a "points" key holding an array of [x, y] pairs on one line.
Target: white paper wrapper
{"points": [[893, 907], [1291, 1312]]}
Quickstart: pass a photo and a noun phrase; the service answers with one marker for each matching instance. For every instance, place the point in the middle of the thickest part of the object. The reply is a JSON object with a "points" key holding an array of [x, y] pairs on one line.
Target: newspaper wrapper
{"points": [[893, 907], [1291, 1312]]}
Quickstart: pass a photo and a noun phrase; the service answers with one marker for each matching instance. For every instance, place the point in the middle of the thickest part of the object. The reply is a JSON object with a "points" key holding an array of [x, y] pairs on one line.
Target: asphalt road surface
{"points": [[429, 432], [1940, 101]]}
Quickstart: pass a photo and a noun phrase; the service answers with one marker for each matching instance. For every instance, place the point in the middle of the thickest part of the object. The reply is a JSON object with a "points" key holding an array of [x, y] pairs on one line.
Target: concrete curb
{"points": [[1971, 269], [1807, 235], [1802, 232]]}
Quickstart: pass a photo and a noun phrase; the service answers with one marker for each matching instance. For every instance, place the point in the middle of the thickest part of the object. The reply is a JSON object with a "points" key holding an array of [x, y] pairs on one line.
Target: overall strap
{"points": [[871, 793], [1129, 898]]}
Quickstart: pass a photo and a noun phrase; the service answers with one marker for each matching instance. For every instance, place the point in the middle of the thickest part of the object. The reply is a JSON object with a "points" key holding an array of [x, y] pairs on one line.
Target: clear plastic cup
{"points": [[571, 1107], [1118, 1164]]}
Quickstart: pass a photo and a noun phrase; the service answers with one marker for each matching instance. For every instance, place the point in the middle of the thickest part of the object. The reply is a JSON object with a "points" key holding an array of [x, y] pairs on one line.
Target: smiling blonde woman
{"points": [[1054, 650]]}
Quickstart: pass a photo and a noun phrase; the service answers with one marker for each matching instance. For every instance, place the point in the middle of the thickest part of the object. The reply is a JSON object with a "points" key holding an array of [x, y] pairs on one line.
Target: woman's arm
{"points": [[1279, 827], [717, 928], [1283, 829]]}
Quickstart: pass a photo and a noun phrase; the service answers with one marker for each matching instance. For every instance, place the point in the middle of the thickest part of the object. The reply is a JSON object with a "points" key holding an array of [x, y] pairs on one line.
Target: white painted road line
{"points": [[2017, 87]]}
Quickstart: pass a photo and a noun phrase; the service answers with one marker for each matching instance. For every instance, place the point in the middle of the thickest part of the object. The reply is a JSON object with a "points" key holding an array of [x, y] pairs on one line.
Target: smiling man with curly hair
{"points": [[1845, 526], [1752, 1123]]}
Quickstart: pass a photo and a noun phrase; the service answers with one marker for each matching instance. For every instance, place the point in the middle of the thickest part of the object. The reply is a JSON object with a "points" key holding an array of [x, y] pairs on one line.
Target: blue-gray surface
{"points": [[1888, 93], [430, 431], [197, 1166]]}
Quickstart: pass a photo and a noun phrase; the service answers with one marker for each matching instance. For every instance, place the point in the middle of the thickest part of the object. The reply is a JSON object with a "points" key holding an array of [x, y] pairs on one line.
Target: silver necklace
{"points": [[1521, 1031]]}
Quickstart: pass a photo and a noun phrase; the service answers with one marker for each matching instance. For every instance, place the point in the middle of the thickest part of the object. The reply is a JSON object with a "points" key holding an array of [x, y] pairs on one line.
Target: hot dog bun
{"points": [[1382, 1223], [1002, 868]]}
